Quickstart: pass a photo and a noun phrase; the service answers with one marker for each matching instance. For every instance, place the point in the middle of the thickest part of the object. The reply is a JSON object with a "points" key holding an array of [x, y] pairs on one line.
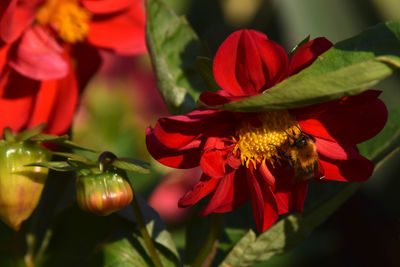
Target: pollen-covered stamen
{"points": [[267, 140], [67, 17]]}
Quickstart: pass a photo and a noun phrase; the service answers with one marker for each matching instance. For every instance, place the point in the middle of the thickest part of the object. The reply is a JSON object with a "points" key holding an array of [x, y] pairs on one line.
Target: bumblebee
{"points": [[301, 153], [303, 156]]}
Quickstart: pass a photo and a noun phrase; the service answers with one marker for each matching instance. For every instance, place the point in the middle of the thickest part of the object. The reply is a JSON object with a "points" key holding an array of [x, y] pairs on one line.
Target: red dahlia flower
{"points": [[38, 39], [267, 156]]}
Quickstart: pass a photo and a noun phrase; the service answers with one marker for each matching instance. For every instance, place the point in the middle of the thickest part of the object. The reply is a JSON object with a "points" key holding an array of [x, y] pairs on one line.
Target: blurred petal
{"points": [[88, 61], [16, 18], [308, 53], [123, 33], [165, 196], [38, 56], [44, 103], [65, 103], [16, 105], [107, 6]]}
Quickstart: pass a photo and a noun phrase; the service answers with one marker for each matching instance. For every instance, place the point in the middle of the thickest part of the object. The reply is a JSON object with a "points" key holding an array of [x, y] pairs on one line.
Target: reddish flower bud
{"points": [[20, 186], [103, 193]]}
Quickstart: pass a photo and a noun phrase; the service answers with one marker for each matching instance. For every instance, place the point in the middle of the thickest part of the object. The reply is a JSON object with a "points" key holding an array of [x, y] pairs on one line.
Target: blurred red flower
{"points": [[166, 195], [267, 156], [39, 40]]}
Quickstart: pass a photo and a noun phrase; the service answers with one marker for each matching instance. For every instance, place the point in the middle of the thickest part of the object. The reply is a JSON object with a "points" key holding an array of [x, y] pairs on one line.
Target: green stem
{"points": [[143, 230], [45, 243], [216, 223]]}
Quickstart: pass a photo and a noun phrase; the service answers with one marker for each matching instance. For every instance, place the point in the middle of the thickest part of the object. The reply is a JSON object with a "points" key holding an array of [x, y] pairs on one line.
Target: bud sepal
{"points": [[20, 186], [103, 193]]}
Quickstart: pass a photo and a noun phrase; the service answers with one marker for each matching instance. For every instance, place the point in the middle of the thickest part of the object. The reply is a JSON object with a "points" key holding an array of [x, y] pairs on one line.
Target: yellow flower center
{"points": [[268, 140], [67, 16]]}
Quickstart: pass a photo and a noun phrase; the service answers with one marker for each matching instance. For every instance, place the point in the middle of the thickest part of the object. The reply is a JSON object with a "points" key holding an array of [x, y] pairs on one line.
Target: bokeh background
{"points": [[122, 100]]}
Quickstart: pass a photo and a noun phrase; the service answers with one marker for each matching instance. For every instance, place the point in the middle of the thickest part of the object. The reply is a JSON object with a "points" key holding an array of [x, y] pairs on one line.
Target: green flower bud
{"points": [[20, 186], [103, 193]]}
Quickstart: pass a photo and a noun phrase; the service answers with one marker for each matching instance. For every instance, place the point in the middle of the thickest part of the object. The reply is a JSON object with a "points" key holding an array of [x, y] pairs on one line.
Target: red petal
{"points": [[88, 61], [107, 6], [230, 193], [38, 56], [212, 163], [334, 150], [16, 105], [275, 62], [218, 98], [298, 197], [249, 68], [263, 202], [224, 66], [183, 159], [64, 105], [247, 63], [267, 175], [289, 193], [292, 200], [200, 190], [178, 131], [44, 103], [124, 32], [306, 54], [351, 120], [16, 18], [355, 170]]}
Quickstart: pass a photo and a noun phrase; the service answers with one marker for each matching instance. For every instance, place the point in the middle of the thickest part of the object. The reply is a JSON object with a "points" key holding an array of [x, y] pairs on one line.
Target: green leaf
{"points": [[289, 232], [305, 40], [132, 165], [130, 252], [82, 164], [122, 253], [55, 165], [31, 132], [8, 134], [60, 140], [205, 67], [70, 155], [72, 145], [49, 138], [350, 67], [173, 47]]}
